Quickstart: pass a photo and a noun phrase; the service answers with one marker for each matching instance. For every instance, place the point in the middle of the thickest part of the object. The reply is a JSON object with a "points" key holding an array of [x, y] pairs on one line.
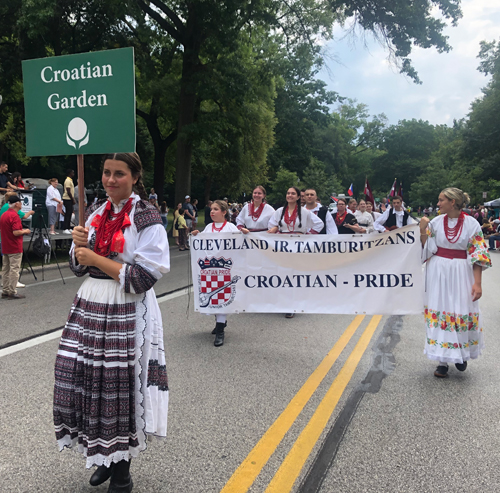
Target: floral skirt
{"points": [[111, 387], [454, 332]]}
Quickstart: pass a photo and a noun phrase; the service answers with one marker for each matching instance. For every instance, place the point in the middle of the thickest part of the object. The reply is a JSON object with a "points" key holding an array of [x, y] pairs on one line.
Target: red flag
{"points": [[393, 189], [350, 191], [369, 193]]}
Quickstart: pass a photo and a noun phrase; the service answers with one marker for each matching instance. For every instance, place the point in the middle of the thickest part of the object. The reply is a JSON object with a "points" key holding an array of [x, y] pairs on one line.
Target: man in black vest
{"points": [[329, 226], [394, 217]]}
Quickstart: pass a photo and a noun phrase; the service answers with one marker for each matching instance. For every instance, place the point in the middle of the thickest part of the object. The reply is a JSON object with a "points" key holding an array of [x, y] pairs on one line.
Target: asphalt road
{"points": [[327, 403]]}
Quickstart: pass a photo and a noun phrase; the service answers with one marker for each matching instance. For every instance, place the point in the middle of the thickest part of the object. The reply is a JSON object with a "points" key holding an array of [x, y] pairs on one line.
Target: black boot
{"points": [[101, 474], [121, 480], [215, 328], [219, 334]]}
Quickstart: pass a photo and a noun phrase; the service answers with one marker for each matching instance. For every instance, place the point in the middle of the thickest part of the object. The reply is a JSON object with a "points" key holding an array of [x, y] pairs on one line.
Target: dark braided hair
{"points": [[133, 161], [299, 208]]}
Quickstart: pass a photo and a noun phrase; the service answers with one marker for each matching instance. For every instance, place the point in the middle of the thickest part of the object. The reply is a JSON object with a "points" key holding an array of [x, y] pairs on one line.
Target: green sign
{"points": [[80, 104]]}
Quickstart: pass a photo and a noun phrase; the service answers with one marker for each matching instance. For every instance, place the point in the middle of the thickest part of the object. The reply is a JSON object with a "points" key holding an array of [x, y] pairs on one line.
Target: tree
{"points": [[208, 28]]}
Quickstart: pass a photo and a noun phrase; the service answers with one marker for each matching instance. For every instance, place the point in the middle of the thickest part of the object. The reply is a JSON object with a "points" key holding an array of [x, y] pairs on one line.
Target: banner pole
{"points": [[81, 190]]}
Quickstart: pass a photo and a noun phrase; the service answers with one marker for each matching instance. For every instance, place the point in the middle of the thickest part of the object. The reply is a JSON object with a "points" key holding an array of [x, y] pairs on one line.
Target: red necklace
{"points": [[215, 229], [255, 214], [339, 219], [291, 219], [109, 227], [453, 234]]}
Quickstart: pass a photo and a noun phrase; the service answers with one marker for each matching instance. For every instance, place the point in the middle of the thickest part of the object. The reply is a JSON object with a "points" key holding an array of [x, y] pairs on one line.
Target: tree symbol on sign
{"points": [[77, 133]]}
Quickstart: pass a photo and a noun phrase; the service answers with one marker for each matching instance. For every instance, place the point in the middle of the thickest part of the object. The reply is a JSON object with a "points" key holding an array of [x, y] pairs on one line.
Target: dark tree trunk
{"points": [[160, 145], [188, 104]]}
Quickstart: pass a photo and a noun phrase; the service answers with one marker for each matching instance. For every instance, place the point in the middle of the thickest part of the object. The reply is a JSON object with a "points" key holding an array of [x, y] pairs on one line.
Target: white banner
{"points": [[348, 274]]}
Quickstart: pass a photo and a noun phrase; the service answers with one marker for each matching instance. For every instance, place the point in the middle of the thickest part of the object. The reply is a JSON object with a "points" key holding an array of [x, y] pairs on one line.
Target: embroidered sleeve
{"points": [[151, 261], [146, 215], [477, 250], [136, 279], [77, 269]]}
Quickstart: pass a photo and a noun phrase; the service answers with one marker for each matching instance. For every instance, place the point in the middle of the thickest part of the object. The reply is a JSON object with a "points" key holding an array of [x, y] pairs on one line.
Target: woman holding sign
{"points": [[219, 213], [256, 214], [456, 255], [294, 219], [111, 387]]}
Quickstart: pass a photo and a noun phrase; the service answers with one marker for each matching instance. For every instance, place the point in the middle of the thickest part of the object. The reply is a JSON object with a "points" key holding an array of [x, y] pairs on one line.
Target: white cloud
{"points": [[450, 80]]}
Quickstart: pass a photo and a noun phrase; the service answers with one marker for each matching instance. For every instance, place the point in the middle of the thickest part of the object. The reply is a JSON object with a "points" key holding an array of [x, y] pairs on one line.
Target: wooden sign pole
{"points": [[81, 190]]}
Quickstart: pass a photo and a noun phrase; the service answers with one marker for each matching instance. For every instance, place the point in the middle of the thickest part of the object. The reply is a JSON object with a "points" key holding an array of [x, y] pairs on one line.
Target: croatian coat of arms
{"points": [[216, 286]]}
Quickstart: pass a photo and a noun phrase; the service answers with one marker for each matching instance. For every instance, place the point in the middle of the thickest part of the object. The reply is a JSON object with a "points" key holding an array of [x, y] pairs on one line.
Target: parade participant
{"points": [[353, 206], [369, 208], [175, 232], [294, 219], [220, 224], [346, 223], [365, 219], [394, 217], [383, 205], [12, 232], [456, 254], [315, 207], [111, 387], [303, 198], [256, 214]]}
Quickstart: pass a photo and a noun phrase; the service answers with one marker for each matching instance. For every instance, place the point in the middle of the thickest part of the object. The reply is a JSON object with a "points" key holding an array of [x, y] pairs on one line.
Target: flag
{"points": [[335, 199], [369, 193], [350, 191], [393, 189]]}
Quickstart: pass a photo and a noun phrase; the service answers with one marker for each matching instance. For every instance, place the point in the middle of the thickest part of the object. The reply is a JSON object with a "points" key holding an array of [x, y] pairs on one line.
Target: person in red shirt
{"points": [[11, 232]]}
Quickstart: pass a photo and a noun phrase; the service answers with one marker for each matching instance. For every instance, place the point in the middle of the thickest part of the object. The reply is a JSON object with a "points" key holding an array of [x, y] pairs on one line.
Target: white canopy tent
{"points": [[493, 203]]}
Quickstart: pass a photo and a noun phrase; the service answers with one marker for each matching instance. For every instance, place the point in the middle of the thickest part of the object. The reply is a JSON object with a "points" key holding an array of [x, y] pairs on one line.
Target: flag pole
{"points": [[81, 190]]}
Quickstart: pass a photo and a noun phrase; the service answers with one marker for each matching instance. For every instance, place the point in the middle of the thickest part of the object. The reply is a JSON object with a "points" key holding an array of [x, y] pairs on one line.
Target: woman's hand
{"points": [[273, 230], [80, 236], [477, 291], [195, 232], [423, 225], [85, 256], [244, 231]]}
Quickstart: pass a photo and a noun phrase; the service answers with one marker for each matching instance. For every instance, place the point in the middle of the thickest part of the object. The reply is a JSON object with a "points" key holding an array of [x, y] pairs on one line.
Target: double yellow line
{"points": [[289, 470]]}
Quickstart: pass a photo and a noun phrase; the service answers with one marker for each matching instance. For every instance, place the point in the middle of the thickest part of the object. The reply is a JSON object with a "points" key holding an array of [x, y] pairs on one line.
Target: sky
{"points": [[359, 69]]}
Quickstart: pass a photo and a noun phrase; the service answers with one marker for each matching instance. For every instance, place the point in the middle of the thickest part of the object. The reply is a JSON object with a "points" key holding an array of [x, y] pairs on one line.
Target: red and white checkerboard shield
{"points": [[211, 282]]}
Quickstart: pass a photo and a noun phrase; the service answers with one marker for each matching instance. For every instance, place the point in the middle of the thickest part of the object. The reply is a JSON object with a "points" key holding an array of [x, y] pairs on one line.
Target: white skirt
{"points": [[452, 319], [111, 387]]}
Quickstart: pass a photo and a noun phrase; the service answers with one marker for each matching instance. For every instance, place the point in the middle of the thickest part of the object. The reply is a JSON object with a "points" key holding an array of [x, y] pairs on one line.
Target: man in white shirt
{"points": [[311, 198], [394, 217]]}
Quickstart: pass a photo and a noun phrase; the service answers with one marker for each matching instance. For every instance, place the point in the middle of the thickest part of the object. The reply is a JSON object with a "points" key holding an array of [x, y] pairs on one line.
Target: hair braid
{"points": [[299, 211], [139, 189], [282, 214]]}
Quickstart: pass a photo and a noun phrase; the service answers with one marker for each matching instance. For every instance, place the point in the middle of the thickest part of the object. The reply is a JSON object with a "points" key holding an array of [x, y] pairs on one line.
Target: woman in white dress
{"points": [[256, 214], [365, 219], [219, 212], [111, 386], [456, 254], [293, 218]]}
